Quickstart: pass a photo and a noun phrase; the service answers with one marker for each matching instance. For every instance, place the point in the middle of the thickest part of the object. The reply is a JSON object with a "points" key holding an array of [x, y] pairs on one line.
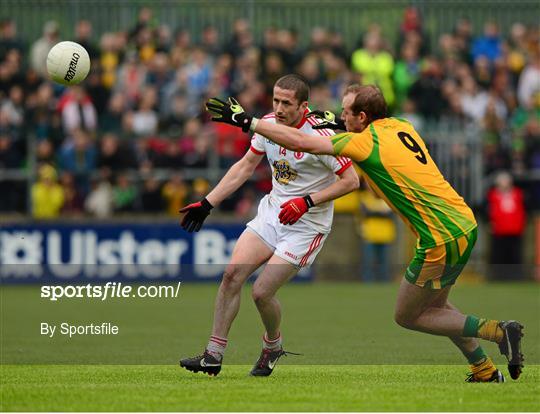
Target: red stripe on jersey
{"points": [[268, 116], [326, 132], [312, 247], [323, 132], [345, 167], [256, 151], [345, 160]]}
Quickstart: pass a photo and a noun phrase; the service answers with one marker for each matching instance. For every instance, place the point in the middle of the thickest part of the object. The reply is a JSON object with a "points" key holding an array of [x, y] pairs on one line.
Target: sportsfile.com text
{"points": [[109, 290]]}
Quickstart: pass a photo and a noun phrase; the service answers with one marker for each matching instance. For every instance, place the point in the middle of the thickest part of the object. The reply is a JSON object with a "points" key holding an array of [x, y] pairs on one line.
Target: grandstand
{"points": [[133, 139]]}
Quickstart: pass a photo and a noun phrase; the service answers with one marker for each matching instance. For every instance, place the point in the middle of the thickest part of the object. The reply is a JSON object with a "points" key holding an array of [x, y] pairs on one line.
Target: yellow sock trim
{"points": [[490, 330], [484, 370]]}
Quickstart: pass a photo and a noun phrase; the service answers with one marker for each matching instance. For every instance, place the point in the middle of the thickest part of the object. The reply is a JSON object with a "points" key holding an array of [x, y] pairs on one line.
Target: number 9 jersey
{"points": [[397, 165]]}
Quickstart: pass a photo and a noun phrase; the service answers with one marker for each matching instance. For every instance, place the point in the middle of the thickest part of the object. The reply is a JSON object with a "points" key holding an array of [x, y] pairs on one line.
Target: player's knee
{"points": [[232, 277], [404, 320], [259, 295]]}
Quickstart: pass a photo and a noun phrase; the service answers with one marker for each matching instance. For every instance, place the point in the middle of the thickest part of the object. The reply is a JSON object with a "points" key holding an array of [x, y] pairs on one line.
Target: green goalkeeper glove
{"points": [[328, 120], [229, 112]]}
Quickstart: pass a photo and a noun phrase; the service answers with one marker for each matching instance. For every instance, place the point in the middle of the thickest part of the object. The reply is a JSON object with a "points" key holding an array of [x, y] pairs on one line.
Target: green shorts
{"points": [[439, 266]]}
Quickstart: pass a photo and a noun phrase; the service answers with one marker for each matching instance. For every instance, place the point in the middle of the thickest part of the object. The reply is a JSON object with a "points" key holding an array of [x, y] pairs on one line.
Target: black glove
{"points": [[229, 112], [196, 213], [328, 119]]}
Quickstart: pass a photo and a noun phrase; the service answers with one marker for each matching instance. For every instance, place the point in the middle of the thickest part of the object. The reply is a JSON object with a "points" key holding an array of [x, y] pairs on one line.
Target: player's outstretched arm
{"points": [[196, 213], [232, 113]]}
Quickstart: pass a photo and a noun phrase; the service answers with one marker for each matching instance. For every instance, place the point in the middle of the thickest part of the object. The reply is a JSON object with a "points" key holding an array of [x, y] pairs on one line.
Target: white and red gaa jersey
{"points": [[297, 174]]}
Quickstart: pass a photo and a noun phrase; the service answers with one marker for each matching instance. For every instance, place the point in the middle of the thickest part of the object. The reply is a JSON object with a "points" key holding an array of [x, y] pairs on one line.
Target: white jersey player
{"points": [[294, 174], [288, 232]]}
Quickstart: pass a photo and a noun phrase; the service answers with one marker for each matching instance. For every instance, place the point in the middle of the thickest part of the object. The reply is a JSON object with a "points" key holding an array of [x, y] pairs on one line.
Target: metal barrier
{"points": [[458, 151], [456, 148], [349, 17]]}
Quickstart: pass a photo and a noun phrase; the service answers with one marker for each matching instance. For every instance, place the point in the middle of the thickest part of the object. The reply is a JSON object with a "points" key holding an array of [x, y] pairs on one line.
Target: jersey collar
{"points": [[303, 120]]}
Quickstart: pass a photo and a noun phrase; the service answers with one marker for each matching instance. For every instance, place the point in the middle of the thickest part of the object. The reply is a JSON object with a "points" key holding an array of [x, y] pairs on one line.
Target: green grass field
{"points": [[355, 358]]}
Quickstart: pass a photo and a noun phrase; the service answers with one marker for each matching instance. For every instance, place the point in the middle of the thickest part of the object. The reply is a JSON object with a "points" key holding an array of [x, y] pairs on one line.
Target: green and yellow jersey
{"points": [[397, 165]]}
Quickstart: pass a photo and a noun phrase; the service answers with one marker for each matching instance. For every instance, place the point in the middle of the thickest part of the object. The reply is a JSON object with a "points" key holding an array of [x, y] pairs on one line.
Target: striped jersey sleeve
{"points": [[337, 163]]}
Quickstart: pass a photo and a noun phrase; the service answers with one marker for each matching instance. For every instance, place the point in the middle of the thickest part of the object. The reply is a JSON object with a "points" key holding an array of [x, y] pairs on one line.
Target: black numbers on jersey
{"points": [[412, 145]]}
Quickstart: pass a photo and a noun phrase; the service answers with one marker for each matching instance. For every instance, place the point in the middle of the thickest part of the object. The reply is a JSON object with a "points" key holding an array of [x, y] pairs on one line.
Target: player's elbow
{"points": [[351, 182], [244, 169]]}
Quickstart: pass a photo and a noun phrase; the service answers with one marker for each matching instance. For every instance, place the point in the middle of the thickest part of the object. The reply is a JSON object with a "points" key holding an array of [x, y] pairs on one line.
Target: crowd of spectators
{"points": [[124, 140]]}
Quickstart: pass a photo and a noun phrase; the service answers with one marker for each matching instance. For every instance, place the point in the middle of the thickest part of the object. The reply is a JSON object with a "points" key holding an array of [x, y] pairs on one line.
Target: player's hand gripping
{"points": [[328, 120], [292, 210], [230, 112], [196, 213]]}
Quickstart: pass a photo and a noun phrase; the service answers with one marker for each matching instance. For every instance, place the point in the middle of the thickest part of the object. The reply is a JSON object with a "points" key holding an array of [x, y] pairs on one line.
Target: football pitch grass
{"points": [[290, 388], [355, 358]]}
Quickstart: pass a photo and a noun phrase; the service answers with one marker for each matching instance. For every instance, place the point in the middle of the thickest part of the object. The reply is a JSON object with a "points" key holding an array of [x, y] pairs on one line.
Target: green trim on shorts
{"points": [[415, 267], [455, 263]]}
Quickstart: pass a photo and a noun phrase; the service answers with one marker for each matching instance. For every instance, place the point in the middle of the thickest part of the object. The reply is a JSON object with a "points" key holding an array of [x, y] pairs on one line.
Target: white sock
{"points": [[216, 347], [272, 344]]}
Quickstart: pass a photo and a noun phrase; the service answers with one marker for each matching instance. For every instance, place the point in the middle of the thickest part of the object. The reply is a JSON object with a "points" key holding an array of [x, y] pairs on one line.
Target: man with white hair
{"points": [[40, 49]]}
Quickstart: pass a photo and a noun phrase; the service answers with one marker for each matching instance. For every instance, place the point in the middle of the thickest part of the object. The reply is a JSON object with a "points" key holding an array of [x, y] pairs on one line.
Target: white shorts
{"points": [[298, 244]]}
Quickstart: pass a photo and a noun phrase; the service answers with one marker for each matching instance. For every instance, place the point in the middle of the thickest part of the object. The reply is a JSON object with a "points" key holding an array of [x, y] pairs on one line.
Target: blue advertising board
{"points": [[102, 252]]}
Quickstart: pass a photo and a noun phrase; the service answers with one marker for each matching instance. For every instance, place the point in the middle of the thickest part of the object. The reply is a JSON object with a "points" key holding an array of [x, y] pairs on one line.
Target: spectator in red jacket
{"points": [[507, 219]]}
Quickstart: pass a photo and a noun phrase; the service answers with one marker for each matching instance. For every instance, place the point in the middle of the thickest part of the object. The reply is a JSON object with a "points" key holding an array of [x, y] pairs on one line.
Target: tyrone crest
{"points": [[283, 173]]}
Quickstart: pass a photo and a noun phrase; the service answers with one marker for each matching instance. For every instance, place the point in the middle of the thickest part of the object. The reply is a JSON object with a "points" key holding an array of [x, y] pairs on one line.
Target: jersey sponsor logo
{"points": [[283, 172], [270, 142], [298, 155], [293, 256]]}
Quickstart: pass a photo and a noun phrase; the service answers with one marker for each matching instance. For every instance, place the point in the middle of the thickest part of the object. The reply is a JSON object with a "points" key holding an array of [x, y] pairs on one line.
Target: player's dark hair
{"points": [[295, 83], [370, 100]]}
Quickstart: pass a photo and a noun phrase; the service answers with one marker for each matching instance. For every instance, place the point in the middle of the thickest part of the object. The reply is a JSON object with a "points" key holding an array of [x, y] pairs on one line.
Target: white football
{"points": [[68, 63]]}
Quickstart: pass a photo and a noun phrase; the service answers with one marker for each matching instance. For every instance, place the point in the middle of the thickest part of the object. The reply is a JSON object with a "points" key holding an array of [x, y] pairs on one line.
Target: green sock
{"points": [[475, 357], [470, 329]]}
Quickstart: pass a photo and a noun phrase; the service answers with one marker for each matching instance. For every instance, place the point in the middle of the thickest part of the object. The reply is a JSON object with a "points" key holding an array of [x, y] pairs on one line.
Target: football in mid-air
{"points": [[68, 63]]}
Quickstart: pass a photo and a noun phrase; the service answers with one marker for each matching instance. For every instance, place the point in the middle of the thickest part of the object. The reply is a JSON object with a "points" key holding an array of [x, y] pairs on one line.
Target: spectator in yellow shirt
{"points": [[375, 65], [174, 193], [378, 232], [47, 194]]}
